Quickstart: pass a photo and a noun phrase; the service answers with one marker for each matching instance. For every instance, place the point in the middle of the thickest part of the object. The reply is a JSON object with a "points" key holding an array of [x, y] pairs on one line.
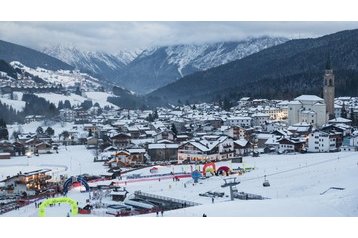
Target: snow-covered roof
{"points": [[263, 136], [309, 98], [340, 120], [241, 142], [163, 146], [294, 103], [136, 151]]}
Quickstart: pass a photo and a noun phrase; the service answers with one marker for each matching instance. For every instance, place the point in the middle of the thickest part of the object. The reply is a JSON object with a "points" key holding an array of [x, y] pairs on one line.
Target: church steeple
{"points": [[328, 63], [329, 89]]}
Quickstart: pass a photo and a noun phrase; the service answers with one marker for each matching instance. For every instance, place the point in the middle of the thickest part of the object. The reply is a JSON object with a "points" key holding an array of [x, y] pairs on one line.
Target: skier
{"points": [[212, 200], [161, 212], [204, 215]]}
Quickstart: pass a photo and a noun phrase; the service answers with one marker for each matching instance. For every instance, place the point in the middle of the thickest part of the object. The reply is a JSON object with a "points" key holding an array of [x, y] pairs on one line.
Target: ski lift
{"points": [[266, 183]]}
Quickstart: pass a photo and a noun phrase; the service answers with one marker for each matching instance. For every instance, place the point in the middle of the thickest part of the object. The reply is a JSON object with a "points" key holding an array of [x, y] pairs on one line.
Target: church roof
{"points": [[308, 98]]}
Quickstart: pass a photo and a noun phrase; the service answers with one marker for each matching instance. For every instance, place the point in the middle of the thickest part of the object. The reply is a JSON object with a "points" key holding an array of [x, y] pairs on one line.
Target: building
{"points": [[328, 90], [260, 119], [163, 152], [319, 141], [121, 140], [309, 109], [290, 145], [242, 147], [238, 121], [29, 182], [208, 148], [67, 115]]}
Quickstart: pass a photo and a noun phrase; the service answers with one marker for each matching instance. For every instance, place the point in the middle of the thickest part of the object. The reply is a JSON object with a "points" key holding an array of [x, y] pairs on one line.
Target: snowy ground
{"points": [[17, 105], [32, 126], [76, 100], [71, 160], [296, 184]]}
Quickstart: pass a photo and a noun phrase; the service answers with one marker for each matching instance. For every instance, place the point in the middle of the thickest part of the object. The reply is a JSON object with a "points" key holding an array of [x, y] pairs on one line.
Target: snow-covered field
{"points": [[32, 126], [75, 100], [17, 105], [297, 182], [71, 160]]}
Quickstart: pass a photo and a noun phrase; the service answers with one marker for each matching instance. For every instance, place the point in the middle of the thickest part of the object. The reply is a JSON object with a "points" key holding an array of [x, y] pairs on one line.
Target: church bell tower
{"points": [[328, 90]]}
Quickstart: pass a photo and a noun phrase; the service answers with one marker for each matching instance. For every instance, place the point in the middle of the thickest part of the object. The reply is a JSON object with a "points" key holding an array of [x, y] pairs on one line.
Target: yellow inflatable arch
{"points": [[52, 201]]}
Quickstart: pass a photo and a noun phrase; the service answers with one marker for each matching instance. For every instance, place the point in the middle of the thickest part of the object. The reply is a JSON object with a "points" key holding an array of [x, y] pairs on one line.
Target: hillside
{"points": [[156, 67], [32, 58], [282, 71], [96, 63]]}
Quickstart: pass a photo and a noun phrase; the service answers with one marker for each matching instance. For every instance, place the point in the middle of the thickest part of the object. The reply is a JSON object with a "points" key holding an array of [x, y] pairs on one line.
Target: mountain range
{"points": [[262, 67], [97, 63], [149, 69], [283, 71]]}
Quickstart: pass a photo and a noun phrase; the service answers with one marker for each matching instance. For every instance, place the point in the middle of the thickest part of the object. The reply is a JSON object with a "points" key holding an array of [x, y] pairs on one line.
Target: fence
{"points": [[168, 199]]}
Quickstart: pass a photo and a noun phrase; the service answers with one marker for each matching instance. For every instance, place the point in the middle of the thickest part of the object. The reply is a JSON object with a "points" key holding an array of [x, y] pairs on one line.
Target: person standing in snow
{"points": [[212, 200]]}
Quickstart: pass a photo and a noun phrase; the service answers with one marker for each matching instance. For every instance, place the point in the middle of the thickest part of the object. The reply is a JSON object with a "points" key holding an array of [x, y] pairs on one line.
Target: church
{"points": [[312, 109]]}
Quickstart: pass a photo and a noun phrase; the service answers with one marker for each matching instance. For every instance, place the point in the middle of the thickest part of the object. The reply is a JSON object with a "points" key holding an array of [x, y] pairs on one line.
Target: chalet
{"points": [[121, 140], [163, 152], [340, 120], [167, 135], [137, 156], [128, 157], [272, 144], [290, 145], [22, 138], [134, 132], [43, 148], [345, 130], [300, 129], [261, 138], [242, 147], [209, 148]]}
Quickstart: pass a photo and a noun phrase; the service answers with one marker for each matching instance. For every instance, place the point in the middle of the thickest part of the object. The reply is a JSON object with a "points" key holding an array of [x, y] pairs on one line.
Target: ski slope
{"points": [[297, 182]]}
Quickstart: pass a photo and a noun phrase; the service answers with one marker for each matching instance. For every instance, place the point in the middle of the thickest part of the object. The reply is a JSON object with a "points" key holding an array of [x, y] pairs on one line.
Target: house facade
{"points": [[320, 141]]}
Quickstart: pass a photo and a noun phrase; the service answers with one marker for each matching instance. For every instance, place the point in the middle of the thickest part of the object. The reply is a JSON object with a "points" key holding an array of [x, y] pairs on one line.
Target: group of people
{"points": [[161, 212]]}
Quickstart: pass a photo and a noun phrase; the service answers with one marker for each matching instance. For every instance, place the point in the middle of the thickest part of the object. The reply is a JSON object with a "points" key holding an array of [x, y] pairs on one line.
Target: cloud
{"points": [[116, 36]]}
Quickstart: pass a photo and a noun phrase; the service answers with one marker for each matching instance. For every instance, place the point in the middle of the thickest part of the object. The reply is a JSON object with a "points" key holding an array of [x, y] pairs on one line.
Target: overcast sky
{"points": [[116, 36]]}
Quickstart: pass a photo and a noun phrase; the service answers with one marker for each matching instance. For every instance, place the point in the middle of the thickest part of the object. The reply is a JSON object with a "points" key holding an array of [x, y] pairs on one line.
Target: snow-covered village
{"points": [[75, 143], [257, 157]]}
